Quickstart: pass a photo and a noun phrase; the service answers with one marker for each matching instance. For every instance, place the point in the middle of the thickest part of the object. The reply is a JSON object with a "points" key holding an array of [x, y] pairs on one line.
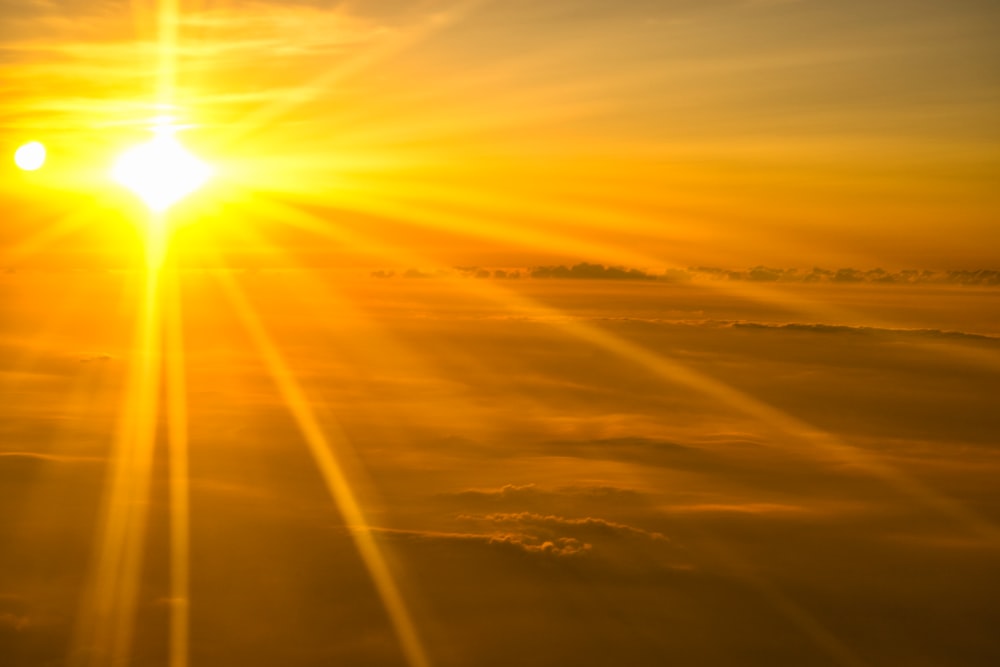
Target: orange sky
{"points": [[554, 472], [649, 133], [589, 333]]}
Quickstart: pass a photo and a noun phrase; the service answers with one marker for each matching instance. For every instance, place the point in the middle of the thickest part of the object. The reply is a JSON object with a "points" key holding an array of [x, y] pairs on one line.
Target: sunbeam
{"points": [[177, 444], [460, 332], [324, 452], [271, 113], [672, 371], [105, 636]]}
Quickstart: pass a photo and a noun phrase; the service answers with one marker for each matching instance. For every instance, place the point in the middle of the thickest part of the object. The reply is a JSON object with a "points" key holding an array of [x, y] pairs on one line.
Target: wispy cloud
{"points": [[577, 525], [504, 541]]}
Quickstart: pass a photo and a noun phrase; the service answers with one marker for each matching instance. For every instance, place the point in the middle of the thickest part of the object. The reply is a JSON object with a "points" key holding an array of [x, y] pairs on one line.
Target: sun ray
{"points": [[177, 443], [168, 19], [306, 93], [323, 444], [489, 224], [826, 445], [484, 226], [376, 338], [786, 444], [671, 371], [108, 617], [729, 557], [823, 445], [46, 236]]}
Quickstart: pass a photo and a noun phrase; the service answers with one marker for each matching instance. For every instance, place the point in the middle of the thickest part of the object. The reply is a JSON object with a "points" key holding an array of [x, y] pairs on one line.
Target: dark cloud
{"points": [[985, 277], [756, 274], [865, 330], [585, 271]]}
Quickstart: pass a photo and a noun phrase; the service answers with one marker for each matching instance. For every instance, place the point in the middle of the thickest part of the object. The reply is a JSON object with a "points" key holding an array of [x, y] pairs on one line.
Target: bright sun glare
{"points": [[161, 171], [30, 157]]}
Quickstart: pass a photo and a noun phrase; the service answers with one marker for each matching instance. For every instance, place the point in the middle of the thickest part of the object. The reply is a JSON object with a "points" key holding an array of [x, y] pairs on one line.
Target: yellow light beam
{"points": [[728, 557], [330, 468], [827, 445], [44, 237], [799, 616], [177, 443], [142, 446], [489, 225], [676, 372], [105, 631], [439, 20], [167, 22]]}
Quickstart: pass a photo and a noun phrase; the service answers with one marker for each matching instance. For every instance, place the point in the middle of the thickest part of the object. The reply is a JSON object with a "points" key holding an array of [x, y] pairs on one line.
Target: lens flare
{"points": [[161, 171], [30, 156]]}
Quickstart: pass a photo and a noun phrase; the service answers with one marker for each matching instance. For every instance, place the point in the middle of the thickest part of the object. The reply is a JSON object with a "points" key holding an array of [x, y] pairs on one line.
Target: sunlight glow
{"points": [[161, 171], [673, 371], [700, 463], [30, 156], [107, 625], [177, 456]]}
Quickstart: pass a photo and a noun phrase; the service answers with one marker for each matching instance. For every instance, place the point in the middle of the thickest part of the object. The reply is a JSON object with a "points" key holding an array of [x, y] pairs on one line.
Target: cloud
{"points": [[542, 533], [503, 541], [550, 522], [863, 330], [560, 546], [585, 271], [757, 274], [506, 492], [102, 357], [513, 498], [14, 621], [848, 276], [743, 508], [15, 612], [31, 458]]}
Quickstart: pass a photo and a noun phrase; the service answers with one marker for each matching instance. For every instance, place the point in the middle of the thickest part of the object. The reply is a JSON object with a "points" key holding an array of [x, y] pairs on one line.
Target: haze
{"points": [[562, 333]]}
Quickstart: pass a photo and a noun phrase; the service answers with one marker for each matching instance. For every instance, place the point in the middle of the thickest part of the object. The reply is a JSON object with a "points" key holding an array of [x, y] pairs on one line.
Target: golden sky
{"points": [[666, 133], [402, 333]]}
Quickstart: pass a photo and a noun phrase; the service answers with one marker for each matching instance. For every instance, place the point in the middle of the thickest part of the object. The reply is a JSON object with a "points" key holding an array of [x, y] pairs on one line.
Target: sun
{"points": [[30, 156], [161, 171]]}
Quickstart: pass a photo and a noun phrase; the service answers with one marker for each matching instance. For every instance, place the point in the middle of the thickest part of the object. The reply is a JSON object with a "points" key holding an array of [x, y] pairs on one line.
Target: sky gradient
{"points": [[736, 133], [501, 333]]}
